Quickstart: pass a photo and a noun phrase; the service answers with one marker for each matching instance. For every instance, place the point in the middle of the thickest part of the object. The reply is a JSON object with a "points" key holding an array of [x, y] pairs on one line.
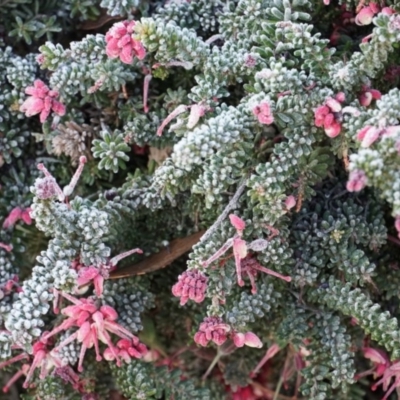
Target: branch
{"points": [[231, 205], [159, 260]]}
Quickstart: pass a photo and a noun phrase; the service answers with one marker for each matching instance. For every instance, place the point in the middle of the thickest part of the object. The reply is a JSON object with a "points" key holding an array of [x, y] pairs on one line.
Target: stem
{"points": [[231, 205], [278, 388], [212, 365]]}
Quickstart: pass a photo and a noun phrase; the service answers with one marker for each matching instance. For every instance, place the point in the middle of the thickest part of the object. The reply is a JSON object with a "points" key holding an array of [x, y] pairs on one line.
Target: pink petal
{"points": [[376, 94], [365, 99], [375, 355], [98, 285], [32, 106], [26, 217], [83, 331], [341, 97], [58, 108], [109, 313], [371, 136], [239, 339], [333, 130], [112, 49], [44, 115], [126, 55], [86, 275], [290, 202], [334, 105], [12, 218], [364, 17], [252, 340], [237, 222], [387, 11], [361, 134]]}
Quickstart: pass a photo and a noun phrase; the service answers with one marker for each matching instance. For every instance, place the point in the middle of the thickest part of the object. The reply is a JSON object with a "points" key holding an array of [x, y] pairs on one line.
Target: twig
{"points": [[231, 205], [159, 260]]}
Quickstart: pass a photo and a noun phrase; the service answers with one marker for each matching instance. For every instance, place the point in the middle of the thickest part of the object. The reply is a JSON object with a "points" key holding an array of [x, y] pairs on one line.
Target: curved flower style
{"points": [[42, 101]]}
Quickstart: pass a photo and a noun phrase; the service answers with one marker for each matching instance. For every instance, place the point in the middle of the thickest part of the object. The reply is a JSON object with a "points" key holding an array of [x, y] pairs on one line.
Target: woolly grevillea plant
{"points": [[199, 199]]}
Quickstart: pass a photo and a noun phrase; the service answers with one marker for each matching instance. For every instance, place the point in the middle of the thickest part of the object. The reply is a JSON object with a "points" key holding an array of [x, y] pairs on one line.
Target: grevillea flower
{"points": [[380, 362], [47, 187], [126, 350], [17, 214], [370, 134], [357, 181], [42, 359], [324, 117], [120, 42], [94, 323], [212, 329], [365, 15], [97, 274], [263, 113], [240, 252], [42, 101], [329, 115], [192, 284]]}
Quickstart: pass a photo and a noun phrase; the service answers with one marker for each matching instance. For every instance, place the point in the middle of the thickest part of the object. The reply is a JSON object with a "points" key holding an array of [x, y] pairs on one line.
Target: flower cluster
{"points": [[42, 101], [213, 329], [121, 43], [192, 284], [240, 253]]}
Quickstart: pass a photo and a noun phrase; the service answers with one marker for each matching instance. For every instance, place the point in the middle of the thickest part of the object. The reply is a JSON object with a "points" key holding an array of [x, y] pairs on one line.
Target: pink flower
{"points": [[264, 114], [357, 181], [120, 42], [240, 252], [212, 329], [97, 274], [13, 217], [126, 349], [249, 339], [42, 359], [237, 223], [192, 284], [290, 202], [93, 323], [42, 100], [340, 97], [387, 11], [325, 116], [17, 214], [365, 15]]}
